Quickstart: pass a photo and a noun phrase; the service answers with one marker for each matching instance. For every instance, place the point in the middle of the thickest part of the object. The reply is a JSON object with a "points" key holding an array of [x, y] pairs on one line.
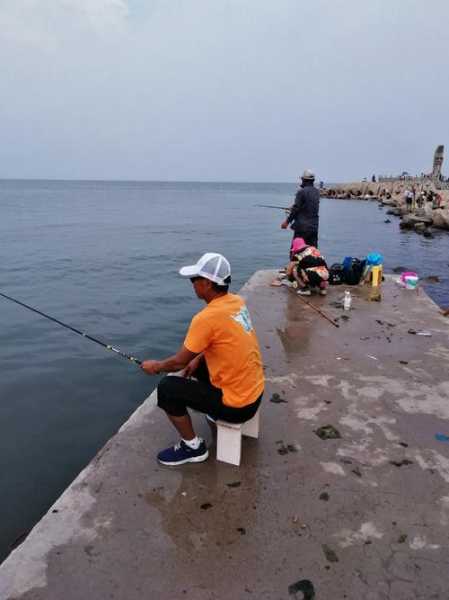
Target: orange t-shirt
{"points": [[224, 333]]}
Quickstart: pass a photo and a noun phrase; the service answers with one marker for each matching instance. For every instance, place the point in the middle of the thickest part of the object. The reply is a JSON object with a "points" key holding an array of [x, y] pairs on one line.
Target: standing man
{"points": [[221, 351], [303, 215]]}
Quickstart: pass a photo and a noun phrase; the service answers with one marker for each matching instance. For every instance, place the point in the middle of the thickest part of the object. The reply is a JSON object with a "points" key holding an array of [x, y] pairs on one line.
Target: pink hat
{"points": [[298, 244]]}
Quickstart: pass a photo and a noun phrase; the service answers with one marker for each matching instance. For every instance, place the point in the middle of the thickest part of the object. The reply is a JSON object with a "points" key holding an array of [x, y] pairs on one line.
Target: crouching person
{"points": [[220, 352], [308, 268]]}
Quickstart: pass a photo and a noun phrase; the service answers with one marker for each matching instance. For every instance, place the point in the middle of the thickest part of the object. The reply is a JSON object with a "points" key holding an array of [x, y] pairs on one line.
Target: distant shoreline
{"points": [[391, 193]]}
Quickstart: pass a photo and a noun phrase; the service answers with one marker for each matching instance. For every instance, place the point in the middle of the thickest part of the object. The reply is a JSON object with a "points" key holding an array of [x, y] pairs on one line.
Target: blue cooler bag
{"points": [[353, 270]]}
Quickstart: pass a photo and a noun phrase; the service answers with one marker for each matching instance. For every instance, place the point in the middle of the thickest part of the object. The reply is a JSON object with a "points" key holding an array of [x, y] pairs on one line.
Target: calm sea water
{"points": [[103, 257]]}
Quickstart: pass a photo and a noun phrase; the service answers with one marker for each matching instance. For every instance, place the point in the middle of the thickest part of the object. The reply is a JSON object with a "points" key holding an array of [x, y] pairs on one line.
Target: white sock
{"points": [[193, 443]]}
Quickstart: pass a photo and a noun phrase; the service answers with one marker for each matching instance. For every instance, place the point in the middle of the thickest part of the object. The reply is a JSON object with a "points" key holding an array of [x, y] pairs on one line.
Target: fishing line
{"points": [[82, 333]]}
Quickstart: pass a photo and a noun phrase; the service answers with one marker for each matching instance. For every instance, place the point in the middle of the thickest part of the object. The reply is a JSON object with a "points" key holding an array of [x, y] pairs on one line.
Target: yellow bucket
{"points": [[376, 275]]}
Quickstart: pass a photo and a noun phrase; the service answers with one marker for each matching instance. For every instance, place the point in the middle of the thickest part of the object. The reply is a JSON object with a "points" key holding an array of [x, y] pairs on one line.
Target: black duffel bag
{"points": [[336, 274]]}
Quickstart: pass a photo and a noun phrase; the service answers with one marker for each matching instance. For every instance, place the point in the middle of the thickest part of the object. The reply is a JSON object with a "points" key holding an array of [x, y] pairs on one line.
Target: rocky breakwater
{"points": [[430, 206]]}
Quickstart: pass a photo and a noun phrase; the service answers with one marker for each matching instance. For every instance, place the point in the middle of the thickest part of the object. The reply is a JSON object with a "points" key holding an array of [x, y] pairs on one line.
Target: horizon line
{"points": [[203, 181], [138, 180]]}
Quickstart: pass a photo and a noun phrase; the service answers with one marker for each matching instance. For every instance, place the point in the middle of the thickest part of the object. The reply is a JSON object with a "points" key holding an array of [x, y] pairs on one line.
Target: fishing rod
{"points": [[271, 206], [82, 333], [318, 310]]}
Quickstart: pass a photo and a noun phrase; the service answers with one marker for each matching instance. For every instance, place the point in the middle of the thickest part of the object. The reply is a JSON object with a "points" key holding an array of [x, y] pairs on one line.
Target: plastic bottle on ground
{"points": [[347, 301]]}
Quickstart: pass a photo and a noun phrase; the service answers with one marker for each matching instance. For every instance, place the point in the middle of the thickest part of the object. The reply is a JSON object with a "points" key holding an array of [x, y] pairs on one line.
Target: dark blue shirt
{"points": [[304, 214]]}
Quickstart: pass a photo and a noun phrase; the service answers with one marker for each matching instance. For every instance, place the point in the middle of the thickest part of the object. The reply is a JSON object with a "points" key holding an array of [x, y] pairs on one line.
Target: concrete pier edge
{"points": [[365, 513]]}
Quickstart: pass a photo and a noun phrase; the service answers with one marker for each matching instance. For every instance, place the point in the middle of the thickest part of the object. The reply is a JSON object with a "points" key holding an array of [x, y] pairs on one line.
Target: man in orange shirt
{"points": [[221, 351]]}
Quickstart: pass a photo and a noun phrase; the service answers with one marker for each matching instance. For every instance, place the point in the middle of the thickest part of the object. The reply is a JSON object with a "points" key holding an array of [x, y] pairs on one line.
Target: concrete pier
{"points": [[362, 513]]}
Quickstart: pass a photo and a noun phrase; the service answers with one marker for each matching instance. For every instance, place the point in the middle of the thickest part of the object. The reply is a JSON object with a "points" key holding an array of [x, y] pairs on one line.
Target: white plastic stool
{"points": [[229, 438]]}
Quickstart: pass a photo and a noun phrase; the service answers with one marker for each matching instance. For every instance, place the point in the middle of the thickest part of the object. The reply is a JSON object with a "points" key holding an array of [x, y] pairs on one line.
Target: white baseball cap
{"points": [[211, 266], [308, 174]]}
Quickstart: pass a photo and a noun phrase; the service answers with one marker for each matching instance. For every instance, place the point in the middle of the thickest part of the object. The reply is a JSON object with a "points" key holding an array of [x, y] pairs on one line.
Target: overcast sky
{"points": [[238, 90]]}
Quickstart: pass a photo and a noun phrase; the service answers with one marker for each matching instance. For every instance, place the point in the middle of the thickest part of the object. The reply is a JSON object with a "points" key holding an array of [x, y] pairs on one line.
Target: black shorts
{"points": [[176, 394]]}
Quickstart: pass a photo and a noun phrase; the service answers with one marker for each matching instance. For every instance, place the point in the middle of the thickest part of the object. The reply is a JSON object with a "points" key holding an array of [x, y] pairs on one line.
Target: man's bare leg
{"points": [[184, 426]]}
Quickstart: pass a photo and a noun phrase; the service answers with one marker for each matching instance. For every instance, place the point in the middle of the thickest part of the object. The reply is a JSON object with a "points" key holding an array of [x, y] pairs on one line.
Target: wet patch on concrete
{"points": [[330, 554]]}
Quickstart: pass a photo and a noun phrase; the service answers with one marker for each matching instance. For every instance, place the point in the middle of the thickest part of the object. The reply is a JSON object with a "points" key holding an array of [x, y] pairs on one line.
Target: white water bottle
{"points": [[347, 301]]}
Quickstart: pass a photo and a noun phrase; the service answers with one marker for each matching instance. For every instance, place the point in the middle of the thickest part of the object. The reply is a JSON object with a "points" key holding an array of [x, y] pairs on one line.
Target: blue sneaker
{"points": [[181, 453]]}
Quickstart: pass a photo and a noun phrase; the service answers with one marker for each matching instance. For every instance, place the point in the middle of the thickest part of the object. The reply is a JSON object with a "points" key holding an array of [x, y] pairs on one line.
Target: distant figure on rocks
{"points": [[373, 179], [304, 214], [221, 351], [408, 197]]}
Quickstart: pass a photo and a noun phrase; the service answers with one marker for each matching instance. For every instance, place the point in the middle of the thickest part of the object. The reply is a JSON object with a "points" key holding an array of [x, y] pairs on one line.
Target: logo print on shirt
{"points": [[243, 319]]}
